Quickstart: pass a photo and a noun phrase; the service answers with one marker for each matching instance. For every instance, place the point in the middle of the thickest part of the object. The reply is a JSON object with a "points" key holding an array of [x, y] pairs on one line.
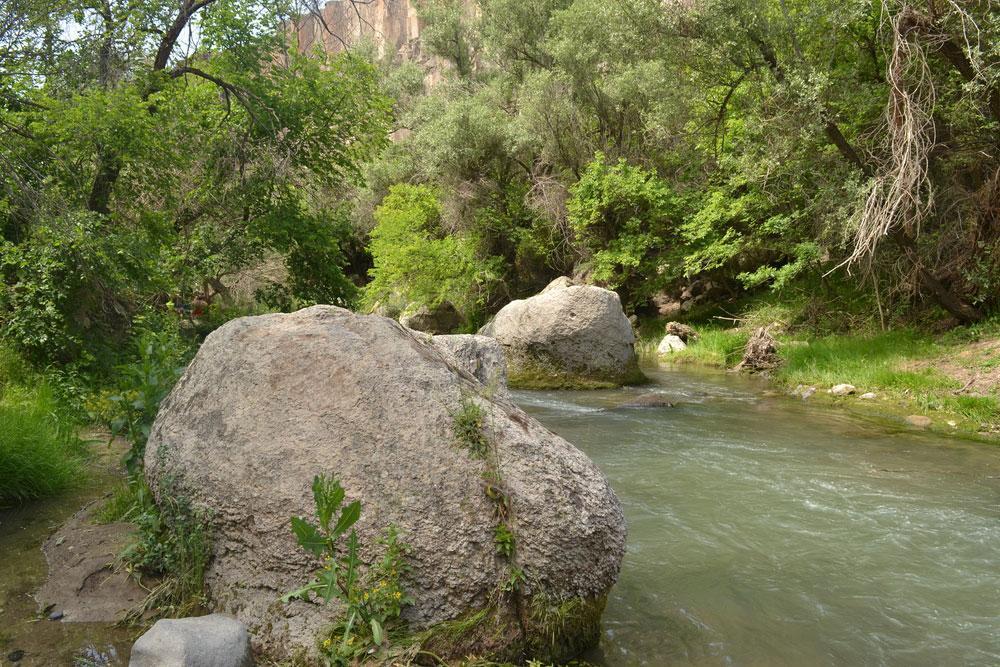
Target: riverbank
{"points": [[947, 382]]}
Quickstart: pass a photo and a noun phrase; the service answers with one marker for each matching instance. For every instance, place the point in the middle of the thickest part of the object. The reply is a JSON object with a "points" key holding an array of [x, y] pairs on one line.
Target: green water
{"points": [[771, 531]]}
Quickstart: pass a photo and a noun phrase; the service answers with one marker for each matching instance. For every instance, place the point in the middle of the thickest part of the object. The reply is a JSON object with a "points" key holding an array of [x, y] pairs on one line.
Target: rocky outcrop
{"points": [[443, 318], [481, 356], [215, 640], [569, 336], [271, 401]]}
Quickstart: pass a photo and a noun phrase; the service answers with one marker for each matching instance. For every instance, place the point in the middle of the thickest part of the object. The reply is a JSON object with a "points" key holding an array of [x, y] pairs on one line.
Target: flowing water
{"points": [[770, 531]]}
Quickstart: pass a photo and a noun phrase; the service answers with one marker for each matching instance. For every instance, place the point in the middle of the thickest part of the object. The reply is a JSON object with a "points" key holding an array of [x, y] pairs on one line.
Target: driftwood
{"points": [[761, 352]]}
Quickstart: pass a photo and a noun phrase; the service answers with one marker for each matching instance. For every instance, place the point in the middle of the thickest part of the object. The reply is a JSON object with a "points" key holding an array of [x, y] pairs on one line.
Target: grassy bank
{"points": [[40, 454], [952, 378]]}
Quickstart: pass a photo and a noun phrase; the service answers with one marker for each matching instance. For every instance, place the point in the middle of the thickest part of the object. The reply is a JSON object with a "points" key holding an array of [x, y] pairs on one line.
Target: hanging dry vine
{"points": [[901, 195]]}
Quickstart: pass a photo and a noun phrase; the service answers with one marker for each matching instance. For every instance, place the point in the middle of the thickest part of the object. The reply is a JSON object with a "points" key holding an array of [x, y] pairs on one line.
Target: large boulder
{"points": [[271, 401], [443, 318], [481, 356], [569, 336], [215, 640]]}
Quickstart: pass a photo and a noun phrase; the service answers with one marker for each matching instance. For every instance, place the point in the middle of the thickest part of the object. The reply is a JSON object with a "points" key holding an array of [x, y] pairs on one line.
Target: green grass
{"points": [[40, 454], [715, 347], [870, 363], [127, 500]]}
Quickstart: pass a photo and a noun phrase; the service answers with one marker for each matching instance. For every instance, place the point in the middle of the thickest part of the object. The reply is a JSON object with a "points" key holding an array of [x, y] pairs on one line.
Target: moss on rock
{"points": [[551, 631], [534, 374]]}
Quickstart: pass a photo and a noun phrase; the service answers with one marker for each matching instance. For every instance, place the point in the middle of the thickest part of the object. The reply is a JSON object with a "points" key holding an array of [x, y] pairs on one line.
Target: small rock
{"points": [[648, 401], [842, 389], [807, 392], [869, 396], [56, 615], [682, 331], [670, 344], [15, 656], [952, 424], [920, 421], [217, 640]]}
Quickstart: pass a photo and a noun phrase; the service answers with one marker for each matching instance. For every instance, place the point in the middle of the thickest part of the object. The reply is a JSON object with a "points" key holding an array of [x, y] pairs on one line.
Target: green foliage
{"points": [[133, 180], [717, 347], [159, 360], [467, 424], [372, 596], [625, 216], [70, 285], [312, 244], [873, 362], [415, 259], [40, 454], [173, 544]]}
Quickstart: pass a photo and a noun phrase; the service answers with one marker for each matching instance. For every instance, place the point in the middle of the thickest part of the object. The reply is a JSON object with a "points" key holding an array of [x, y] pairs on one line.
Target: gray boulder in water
{"points": [[215, 640], [569, 336], [271, 401]]}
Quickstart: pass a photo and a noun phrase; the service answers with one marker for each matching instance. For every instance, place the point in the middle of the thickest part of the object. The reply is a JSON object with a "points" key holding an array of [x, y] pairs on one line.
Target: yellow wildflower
{"points": [[326, 643], [397, 595]]}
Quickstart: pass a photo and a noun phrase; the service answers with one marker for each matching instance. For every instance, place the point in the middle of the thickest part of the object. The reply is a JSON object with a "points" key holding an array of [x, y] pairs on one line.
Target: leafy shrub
{"points": [[67, 291], [160, 356], [172, 543], [414, 257], [311, 244], [625, 216], [373, 598]]}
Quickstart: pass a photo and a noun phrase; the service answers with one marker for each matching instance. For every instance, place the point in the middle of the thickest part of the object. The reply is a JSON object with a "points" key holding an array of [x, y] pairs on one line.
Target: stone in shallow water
{"points": [[868, 396], [842, 389], [215, 640], [648, 401], [920, 421], [568, 336]]}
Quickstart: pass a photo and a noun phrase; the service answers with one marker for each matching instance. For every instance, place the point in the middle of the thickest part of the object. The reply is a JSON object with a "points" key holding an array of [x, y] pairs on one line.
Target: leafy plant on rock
{"points": [[371, 593]]}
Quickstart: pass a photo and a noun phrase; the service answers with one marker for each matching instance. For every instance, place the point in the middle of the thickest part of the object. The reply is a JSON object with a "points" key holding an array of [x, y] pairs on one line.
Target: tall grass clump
{"points": [[40, 454], [873, 362], [714, 346]]}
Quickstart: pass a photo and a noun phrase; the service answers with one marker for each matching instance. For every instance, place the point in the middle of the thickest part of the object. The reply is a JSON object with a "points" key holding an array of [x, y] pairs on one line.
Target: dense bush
{"points": [[416, 261]]}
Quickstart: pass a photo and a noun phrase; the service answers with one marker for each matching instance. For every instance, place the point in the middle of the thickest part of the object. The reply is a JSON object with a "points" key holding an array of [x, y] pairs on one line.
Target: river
{"points": [[770, 531]]}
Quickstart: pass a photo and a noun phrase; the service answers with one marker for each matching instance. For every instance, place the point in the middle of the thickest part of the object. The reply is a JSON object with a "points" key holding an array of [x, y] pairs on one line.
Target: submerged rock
{"points": [[443, 318], [572, 336], [271, 401], [215, 640], [669, 345], [920, 421], [648, 401]]}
